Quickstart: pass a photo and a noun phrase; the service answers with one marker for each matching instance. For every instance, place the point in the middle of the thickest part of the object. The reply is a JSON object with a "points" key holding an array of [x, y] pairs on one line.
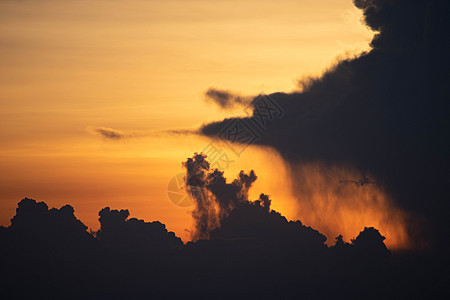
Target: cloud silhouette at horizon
{"points": [[49, 252]]}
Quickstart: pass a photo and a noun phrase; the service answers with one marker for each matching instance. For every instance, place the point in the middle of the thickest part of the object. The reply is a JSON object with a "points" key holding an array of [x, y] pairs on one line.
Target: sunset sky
{"points": [[142, 68]]}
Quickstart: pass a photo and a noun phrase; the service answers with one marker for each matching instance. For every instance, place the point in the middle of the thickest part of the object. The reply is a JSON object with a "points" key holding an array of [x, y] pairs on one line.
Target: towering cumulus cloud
{"points": [[383, 115], [214, 197]]}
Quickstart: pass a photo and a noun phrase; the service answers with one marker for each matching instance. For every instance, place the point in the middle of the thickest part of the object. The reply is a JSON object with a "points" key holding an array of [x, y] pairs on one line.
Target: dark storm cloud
{"points": [[384, 112]]}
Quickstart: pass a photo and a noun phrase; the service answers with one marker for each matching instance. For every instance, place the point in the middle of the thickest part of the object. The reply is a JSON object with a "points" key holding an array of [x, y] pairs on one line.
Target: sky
{"points": [[142, 68]]}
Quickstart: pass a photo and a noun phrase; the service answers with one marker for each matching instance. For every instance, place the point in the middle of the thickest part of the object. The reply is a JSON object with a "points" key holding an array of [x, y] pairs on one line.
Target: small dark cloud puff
{"points": [[226, 99]]}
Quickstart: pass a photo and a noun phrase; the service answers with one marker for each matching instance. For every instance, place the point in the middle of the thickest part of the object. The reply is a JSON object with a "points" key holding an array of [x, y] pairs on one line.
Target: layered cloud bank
{"points": [[384, 113], [241, 248]]}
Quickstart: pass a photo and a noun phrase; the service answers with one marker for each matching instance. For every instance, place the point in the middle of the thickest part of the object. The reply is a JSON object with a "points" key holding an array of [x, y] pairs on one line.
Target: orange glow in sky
{"points": [[142, 67]]}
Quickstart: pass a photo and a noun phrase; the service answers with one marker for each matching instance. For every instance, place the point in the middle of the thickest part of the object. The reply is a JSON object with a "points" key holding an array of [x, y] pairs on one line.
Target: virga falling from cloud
{"points": [[329, 200]]}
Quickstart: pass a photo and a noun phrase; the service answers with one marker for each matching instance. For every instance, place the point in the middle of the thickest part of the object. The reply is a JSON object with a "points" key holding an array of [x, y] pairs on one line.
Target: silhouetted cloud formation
{"points": [[250, 220], [117, 229], [254, 253], [36, 224], [384, 112], [214, 197]]}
